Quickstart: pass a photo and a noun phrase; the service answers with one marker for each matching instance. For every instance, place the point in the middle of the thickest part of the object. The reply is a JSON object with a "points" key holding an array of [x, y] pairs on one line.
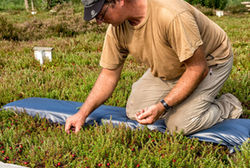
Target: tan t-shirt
{"points": [[170, 33]]}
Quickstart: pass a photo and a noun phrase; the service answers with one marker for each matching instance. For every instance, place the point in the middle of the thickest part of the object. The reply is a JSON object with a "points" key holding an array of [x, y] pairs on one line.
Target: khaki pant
{"points": [[199, 111]]}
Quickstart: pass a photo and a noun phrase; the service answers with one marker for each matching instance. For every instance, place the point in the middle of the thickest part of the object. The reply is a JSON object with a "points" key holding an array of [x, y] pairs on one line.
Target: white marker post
{"points": [[42, 53], [219, 13]]}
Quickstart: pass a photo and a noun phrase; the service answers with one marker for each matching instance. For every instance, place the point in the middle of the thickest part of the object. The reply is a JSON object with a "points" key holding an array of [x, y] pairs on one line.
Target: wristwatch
{"points": [[165, 105]]}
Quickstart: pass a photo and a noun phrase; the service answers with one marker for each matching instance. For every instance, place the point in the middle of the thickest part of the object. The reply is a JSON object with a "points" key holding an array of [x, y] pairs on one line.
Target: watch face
{"points": [[166, 106]]}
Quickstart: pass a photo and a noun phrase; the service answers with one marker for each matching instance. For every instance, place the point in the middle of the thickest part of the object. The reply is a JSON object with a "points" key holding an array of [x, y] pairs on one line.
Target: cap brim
{"points": [[92, 11]]}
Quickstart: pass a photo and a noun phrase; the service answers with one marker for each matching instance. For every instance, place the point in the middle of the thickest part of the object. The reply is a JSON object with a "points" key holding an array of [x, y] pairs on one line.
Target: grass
{"points": [[11, 4], [35, 142]]}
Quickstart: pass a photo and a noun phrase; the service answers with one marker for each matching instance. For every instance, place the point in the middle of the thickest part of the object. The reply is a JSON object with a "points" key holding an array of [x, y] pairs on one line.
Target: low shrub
{"points": [[205, 10], [215, 4], [7, 30], [64, 22], [32, 30], [62, 30], [238, 8], [52, 3]]}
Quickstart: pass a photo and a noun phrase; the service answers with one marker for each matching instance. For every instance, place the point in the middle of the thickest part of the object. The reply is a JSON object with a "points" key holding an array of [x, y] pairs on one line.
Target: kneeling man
{"points": [[188, 56]]}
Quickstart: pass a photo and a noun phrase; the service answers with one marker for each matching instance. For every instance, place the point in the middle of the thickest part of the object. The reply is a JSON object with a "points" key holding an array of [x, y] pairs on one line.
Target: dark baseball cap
{"points": [[92, 8]]}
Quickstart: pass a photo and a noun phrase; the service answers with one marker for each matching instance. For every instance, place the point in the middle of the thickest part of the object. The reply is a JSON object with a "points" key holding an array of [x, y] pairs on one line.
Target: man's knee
{"points": [[185, 122], [177, 125], [131, 115], [131, 106], [189, 122]]}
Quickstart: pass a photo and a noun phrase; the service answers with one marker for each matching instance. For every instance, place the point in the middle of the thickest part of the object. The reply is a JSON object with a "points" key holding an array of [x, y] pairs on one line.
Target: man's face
{"points": [[111, 14]]}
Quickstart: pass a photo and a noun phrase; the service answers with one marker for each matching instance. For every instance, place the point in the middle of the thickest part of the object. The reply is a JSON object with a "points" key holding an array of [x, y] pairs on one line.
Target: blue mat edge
{"points": [[195, 135]]}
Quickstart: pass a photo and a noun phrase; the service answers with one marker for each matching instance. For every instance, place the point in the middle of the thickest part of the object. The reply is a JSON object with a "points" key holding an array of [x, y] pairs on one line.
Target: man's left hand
{"points": [[150, 114]]}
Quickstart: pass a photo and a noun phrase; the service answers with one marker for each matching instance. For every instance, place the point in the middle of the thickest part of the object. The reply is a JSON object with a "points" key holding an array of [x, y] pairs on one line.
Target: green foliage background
{"points": [[11, 4], [216, 4], [47, 4], [39, 4]]}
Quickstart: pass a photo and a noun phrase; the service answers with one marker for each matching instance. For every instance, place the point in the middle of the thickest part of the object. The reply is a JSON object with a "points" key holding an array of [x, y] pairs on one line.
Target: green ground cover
{"points": [[70, 76]]}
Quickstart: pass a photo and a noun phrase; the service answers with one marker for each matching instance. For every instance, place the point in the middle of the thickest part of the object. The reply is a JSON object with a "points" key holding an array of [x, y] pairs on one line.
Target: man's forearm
{"points": [[184, 87], [102, 90], [196, 71]]}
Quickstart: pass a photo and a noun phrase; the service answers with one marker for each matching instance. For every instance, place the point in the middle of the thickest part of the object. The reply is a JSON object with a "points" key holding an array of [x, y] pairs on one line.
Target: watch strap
{"points": [[165, 105]]}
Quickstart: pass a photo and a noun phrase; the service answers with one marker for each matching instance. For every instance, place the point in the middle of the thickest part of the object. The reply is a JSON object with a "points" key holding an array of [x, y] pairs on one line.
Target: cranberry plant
{"points": [[35, 142]]}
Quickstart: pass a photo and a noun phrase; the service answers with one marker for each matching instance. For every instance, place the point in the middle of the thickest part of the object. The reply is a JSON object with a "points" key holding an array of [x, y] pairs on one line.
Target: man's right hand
{"points": [[102, 90], [74, 123]]}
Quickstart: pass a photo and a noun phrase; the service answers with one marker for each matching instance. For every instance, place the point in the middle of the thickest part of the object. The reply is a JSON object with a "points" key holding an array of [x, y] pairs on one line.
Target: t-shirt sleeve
{"points": [[113, 54], [184, 35]]}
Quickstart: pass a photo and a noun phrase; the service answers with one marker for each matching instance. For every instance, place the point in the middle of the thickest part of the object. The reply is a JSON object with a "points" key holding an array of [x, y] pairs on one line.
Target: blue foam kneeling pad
{"points": [[231, 133]]}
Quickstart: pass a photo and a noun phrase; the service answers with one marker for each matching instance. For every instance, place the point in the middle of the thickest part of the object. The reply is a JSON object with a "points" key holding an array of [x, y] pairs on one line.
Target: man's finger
{"points": [[140, 112], [67, 127], [144, 115], [145, 121], [77, 129]]}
